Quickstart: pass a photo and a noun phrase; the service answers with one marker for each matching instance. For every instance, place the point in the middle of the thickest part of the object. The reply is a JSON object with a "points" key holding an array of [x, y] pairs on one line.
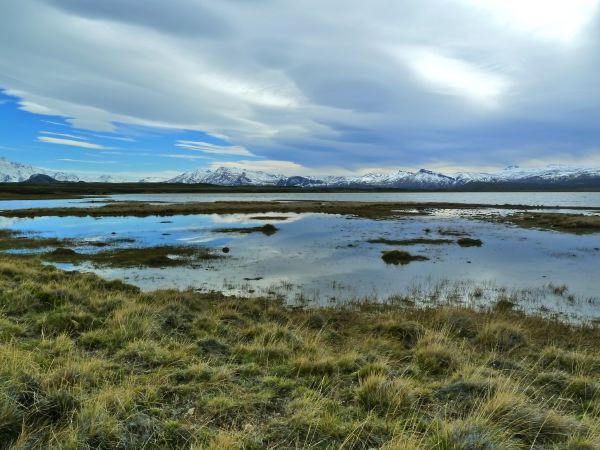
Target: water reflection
{"points": [[319, 258], [565, 199]]}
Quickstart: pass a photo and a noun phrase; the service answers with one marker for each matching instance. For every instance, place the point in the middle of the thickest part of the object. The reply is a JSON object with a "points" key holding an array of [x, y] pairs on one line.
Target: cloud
{"points": [[271, 166], [86, 161], [183, 156], [65, 135], [70, 142], [557, 20], [212, 148], [117, 138], [297, 82], [457, 77]]}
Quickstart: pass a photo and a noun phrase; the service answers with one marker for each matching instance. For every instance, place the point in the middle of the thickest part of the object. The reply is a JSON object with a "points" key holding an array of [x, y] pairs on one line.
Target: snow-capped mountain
{"points": [[539, 175], [11, 172], [554, 175], [226, 176], [107, 179], [153, 180], [422, 179]]}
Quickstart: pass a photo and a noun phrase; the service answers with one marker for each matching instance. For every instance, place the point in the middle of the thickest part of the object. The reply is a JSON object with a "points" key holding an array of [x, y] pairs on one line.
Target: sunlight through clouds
{"points": [[560, 20], [453, 76]]}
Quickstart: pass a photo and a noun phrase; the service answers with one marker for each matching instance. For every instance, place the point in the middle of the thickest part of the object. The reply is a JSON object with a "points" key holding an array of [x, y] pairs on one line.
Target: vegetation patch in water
{"points": [[570, 223], [267, 229], [417, 241], [400, 257], [269, 217], [159, 256], [14, 240], [469, 242], [449, 232], [88, 363]]}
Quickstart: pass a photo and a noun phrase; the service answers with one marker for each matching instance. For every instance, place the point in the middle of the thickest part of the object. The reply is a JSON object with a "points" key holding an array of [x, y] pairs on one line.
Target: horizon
{"points": [[116, 89]]}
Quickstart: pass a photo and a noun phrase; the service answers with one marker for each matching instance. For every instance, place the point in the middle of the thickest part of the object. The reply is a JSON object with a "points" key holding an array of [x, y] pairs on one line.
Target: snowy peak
{"points": [[421, 179], [553, 175], [228, 176], [12, 172]]}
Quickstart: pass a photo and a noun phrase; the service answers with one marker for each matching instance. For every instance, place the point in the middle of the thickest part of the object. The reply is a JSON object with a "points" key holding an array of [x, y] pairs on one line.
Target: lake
{"points": [[565, 199], [327, 259]]}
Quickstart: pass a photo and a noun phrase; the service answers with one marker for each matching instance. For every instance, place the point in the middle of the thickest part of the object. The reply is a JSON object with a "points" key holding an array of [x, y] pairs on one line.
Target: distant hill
{"points": [[41, 178]]}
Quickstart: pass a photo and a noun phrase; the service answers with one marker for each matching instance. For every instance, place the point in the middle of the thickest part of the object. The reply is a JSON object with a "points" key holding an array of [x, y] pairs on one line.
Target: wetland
{"points": [[300, 323]]}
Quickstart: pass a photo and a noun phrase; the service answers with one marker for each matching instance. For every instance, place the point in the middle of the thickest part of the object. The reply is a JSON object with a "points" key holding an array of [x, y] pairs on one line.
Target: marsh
{"points": [[319, 258]]}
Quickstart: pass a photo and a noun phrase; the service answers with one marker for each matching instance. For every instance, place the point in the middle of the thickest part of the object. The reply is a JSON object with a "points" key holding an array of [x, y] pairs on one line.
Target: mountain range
{"points": [[12, 172], [554, 175], [421, 179]]}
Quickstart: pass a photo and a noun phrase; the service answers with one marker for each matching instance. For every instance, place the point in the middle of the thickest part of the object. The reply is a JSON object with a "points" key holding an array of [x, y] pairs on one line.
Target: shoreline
{"points": [[27, 191]]}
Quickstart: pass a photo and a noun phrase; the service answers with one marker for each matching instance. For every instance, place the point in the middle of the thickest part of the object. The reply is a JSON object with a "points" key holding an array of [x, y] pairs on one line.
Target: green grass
{"points": [[92, 364]]}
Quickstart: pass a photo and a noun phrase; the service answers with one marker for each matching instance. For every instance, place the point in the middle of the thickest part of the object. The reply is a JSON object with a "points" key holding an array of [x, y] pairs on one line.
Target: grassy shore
{"points": [[374, 210], [92, 364], [32, 191]]}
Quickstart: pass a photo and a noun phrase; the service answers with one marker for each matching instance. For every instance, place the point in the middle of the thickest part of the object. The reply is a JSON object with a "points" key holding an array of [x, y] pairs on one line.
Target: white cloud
{"points": [[71, 143], [559, 20], [452, 76], [117, 138], [183, 156], [271, 166], [85, 161], [212, 148], [64, 135]]}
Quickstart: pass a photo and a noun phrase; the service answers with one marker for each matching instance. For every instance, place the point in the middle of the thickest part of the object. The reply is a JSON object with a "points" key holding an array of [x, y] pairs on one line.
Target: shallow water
{"points": [[319, 258], [565, 199]]}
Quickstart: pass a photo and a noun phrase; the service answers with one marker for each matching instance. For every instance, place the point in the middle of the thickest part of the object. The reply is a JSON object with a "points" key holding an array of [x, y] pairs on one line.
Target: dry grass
{"points": [[91, 364]]}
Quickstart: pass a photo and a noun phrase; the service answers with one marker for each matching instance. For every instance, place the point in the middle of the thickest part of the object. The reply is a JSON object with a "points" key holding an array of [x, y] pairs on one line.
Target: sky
{"points": [[156, 88]]}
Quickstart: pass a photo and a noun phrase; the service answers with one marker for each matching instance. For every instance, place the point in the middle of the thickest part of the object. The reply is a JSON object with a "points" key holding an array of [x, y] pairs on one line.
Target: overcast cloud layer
{"points": [[329, 84]]}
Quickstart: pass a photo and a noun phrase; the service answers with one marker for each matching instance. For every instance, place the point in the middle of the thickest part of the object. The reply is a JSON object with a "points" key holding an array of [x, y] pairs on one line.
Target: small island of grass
{"points": [[401, 257]]}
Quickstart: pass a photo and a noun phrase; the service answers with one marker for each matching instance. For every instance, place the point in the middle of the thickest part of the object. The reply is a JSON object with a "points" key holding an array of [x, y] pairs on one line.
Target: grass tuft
{"points": [[502, 336]]}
